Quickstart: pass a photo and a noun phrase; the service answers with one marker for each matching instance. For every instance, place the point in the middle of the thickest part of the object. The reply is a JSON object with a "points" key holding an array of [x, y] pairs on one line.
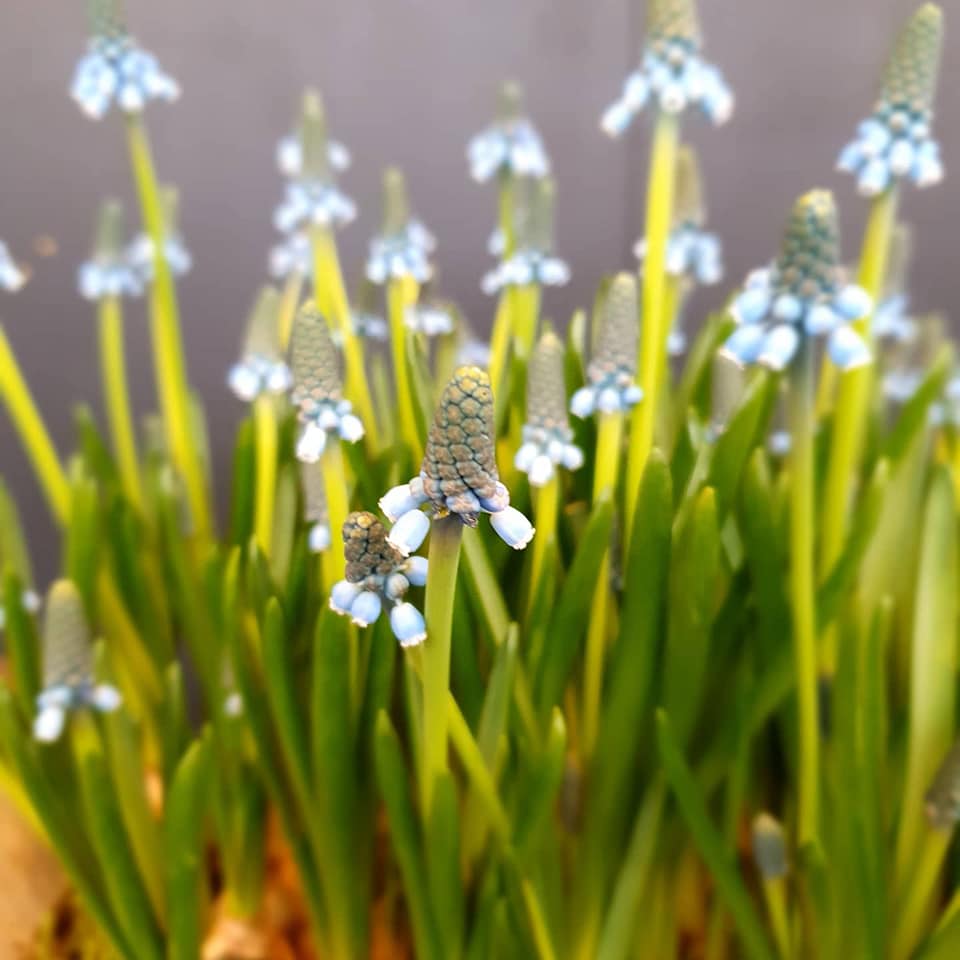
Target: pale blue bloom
{"points": [[692, 253], [403, 253], [310, 202], [525, 267], [115, 71], [430, 319], [408, 624], [892, 321], [542, 450], [371, 326], [108, 276], [474, 353], [321, 418], [292, 255], [175, 252], [511, 146], [12, 278], [290, 156], [54, 703], [257, 374]]}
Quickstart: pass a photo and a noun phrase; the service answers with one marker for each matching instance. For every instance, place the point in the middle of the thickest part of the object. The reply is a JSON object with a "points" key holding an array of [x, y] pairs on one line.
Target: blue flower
{"points": [[378, 575], [404, 244], [290, 156], [115, 71], [692, 254], [175, 252], [611, 387], [527, 267], [511, 146], [313, 203], [109, 273], [459, 471], [431, 319], [369, 325], [293, 254], [12, 278], [895, 141], [262, 369], [804, 294], [672, 72]]}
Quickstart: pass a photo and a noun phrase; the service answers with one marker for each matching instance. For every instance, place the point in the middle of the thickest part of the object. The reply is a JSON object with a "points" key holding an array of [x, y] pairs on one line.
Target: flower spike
{"points": [[312, 198], [12, 278], [262, 368], [672, 72], [459, 471], [317, 386], [895, 141], [610, 375], [403, 246], [115, 71], [109, 272], [140, 252], [315, 507], [547, 437], [378, 574], [804, 294], [68, 682], [511, 146], [533, 262], [310, 152]]}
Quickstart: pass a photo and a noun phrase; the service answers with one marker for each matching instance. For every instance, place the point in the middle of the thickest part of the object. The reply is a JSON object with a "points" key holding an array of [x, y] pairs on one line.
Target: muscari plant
{"points": [[684, 693]]}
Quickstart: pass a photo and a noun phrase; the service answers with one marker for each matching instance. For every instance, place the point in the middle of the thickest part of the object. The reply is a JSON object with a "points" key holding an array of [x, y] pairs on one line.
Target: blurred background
{"points": [[407, 82]]}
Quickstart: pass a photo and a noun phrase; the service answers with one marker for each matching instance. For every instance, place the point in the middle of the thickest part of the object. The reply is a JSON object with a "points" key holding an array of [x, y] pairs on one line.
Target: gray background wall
{"points": [[407, 82]]}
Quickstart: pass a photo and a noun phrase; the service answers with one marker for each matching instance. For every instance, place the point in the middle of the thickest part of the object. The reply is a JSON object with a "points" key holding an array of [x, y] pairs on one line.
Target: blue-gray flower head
{"points": [[804, 294], [312, 198], [141, 253], [315, 507], [294, 254], [610, 375], [109, 272], [533, 262], [672, 73], [547, 437], [68, 682], [895, 141], [115, 71], [769, 847], [317, 388], [459, 470], [907, 363], [378, 574], [693, 253], [403, 247], [290, 156], [12, 278], [369, 325], [891, 320], [942, 801], [262, 369], [511, 146], [433, 318]]}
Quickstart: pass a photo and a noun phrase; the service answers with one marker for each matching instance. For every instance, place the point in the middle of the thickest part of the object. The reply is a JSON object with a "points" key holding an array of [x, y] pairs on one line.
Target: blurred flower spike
{"points": [[895, 141], [533, 262], [12, 278], [109, 272], [312, 198], [140, 253], [262, 369], [378, 574], [672, 73], [611, 387], [547, 437], [459, 471], [68, 682], [317, 387], [115, 71], [511, 146], [803, 295], [404, 244], [315, 507]]}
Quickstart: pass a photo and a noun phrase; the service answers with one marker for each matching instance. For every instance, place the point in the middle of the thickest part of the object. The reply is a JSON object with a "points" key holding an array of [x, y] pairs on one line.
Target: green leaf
{"points": [[81, 561], [721, 863], [443, 865], [916, 411], [538, 792], [244, 470], [23, 647], [14, 556], [184, 854]]}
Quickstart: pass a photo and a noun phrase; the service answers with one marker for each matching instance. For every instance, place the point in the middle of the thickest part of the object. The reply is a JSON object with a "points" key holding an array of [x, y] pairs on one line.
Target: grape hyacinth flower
{"points": [[317, 387], [533, 262], [547, 437], [459, 471], [290, 156], [315, 507], [140, 253], [294, 254], [377, 574], [12, 278], [891, 320], [433, 318], [115, 71], [403, 247], [611, 387], [511, 146], [803, 294], [369, 325], [262, 369], [895, 142], [109, 272], [672, 73], [68, 682], [312, 198]]}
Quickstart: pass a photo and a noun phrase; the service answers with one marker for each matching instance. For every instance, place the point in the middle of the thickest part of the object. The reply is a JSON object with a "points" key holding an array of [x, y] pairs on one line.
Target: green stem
{"points": [[33, 433], [265, 432], [547, 503], [335, 488], [289, 303], [116, 393], [400, 295], [802, 588], [505, 221], [653, 339], [913, 910], [165, 333], [499, 349], [609, 442], [444, 559], [850, 414]]}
